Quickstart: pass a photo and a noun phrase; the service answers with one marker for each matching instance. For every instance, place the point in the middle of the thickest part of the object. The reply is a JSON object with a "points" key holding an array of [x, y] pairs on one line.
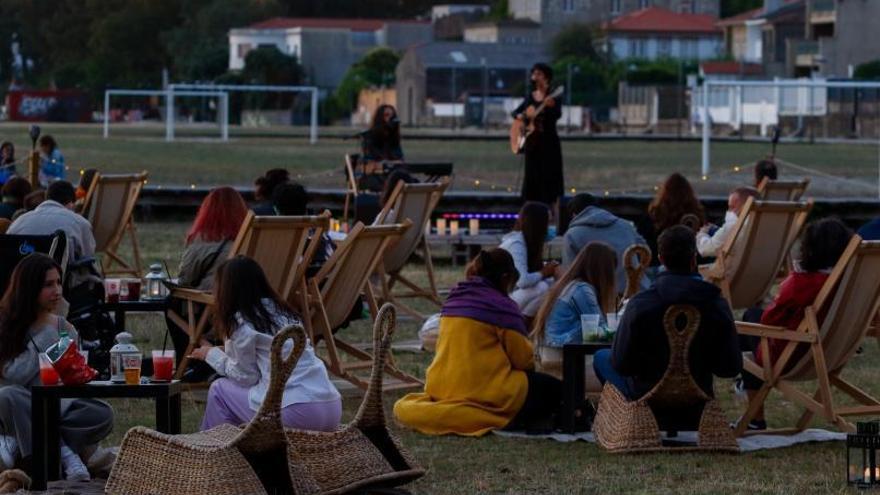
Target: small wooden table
{"points": [[46, 412], [573, 387]]}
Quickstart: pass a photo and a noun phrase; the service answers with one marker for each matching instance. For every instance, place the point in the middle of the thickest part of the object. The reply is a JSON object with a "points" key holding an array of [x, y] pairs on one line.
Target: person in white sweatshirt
{"points": [[526, 245], [248, 315], [710, 238]]}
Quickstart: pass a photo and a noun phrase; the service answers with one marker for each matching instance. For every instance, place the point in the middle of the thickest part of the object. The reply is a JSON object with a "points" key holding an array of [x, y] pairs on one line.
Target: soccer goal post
{"points": [[223, 116]]}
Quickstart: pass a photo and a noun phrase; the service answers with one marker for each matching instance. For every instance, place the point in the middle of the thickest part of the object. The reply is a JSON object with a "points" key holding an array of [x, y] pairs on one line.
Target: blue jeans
{"points": [[606, 373]]}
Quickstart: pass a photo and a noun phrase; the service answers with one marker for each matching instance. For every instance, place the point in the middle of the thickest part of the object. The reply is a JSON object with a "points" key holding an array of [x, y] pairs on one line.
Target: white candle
{"points": [[453, 227], [474, 226], [441, 226]]}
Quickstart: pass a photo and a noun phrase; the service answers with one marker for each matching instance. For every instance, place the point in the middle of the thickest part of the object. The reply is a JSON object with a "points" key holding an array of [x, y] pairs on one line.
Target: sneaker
{"points": [[101, 461], [74, 469], [739, 390], [8, 452], [754, 425]]}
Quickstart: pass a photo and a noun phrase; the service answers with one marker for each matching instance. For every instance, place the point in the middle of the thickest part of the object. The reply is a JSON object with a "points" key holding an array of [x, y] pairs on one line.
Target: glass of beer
{"points": [[131, 364]]}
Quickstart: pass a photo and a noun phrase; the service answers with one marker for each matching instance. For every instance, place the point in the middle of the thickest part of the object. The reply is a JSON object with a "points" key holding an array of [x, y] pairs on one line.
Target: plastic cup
{"points": [[134, 289], [163, 366], [131, 364], [111, 289], [613, 320], [589, 326], [48, 375]]}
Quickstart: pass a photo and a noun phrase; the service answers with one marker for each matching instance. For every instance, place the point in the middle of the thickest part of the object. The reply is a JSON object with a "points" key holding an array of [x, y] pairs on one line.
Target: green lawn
{"points": [[617, 166], [497, 465]]}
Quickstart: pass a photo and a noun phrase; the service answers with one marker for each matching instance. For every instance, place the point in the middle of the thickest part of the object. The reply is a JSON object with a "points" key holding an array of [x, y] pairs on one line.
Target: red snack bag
{"points": [[72, 366]]}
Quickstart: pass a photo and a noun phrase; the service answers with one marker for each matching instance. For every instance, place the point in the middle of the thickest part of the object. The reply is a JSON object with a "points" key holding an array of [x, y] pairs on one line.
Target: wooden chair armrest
{"points": [[196, 295], [773, 332]]}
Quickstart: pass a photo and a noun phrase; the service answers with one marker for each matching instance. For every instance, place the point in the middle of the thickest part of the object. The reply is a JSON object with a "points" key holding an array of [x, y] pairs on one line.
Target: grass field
{"points": [[498, 465], [616, 166]]}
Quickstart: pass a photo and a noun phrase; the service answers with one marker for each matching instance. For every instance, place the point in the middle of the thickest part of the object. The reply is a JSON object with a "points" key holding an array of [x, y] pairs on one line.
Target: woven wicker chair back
{"points": [[690, 221], [677, 387], [636, 259], [109, 204]]}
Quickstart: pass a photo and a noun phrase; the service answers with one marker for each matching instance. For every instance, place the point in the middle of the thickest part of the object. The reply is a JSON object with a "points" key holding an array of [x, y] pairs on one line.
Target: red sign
{"points": [[52, 106]]}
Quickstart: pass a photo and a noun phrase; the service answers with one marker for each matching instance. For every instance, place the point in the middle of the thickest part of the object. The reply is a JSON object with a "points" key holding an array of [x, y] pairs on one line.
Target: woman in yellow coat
{"points": [[482, 376]]}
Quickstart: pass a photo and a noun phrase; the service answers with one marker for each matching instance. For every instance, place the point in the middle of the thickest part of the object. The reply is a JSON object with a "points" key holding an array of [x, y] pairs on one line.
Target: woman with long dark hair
{"points": [[526, 245], [482, 377], [28, 327], [381, 142], [248, 315], [675, 199], [208, 242]]}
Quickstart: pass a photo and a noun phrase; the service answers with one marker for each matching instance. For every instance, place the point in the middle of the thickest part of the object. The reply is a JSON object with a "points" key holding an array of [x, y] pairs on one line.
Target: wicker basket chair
{"points": [[213, 462], [631, 426], [690, 221], [635, 268], [362, 455]]}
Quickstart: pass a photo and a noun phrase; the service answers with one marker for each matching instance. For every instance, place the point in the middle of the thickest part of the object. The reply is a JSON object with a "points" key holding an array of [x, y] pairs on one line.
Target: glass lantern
{"points": [[861, 455], [123, 348], [155, 283]]}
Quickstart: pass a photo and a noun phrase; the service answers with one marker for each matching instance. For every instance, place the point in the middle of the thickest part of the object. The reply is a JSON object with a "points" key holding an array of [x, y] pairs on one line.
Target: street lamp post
{"points": [[568, 91]]}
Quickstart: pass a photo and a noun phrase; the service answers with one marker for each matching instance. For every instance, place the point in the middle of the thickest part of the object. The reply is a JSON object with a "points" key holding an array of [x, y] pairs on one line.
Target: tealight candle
{"points": [[474, 226], [441, 226], [453, 227]]}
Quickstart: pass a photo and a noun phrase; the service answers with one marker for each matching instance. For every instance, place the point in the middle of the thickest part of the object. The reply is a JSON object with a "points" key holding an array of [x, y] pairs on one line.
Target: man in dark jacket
{"points": [[640, 353]]}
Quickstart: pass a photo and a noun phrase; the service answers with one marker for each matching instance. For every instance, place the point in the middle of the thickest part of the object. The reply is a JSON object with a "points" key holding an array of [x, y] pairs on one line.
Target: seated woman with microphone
{"points": [[380, 144]]}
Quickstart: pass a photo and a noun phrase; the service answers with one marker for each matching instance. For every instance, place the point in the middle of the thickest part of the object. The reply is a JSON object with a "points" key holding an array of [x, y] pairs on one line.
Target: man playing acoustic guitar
{"points": [[538, 114]]}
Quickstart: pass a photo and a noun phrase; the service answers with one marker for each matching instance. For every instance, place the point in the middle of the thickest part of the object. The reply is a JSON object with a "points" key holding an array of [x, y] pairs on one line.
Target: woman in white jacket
{"points": [[526, 245], [248, 314]]}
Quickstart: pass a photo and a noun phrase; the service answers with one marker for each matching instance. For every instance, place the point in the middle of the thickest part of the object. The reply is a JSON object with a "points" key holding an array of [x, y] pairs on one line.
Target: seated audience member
{"points": [[248, 315], [821, 245], [396, 176], [640, 353], [590, 223], [870, 231], [526, 245], [674, 200], [292, 199], [765, 168], [586, 288], [51, 161], [14, 192], [31, 202], [28, 327], [264, 186], [57, 213], [7, 161], [482, 376], [710, 238], [207, 245]]}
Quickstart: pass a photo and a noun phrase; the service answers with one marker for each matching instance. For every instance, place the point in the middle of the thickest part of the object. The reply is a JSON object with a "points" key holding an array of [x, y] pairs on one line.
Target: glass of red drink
{"points": [[163, 366], [48, 375], [134, 289]]}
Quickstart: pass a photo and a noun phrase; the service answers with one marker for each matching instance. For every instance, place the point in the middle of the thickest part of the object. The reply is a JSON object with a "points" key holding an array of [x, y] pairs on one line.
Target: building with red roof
{"points": [[654, 33], [325, 47]]}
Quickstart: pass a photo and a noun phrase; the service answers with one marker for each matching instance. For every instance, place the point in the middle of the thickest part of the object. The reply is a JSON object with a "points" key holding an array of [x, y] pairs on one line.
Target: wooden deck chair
{"points": [[334, 291], [848, 300], [282, 246], [782, 190], [750, 259], [351, 189], [636, 259], [108, 206], [622, 425], [413, 202]]}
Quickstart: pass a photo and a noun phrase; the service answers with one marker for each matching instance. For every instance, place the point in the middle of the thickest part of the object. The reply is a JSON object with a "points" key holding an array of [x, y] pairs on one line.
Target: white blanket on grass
{"points": [[747, 444]]}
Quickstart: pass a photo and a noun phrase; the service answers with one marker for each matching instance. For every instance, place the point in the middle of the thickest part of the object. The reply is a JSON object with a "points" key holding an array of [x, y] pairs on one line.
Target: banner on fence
{"points": [[53, 106]]}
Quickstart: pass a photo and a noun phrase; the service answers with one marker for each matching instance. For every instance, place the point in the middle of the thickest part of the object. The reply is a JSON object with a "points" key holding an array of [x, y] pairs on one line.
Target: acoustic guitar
{"points": [[522, 129]]}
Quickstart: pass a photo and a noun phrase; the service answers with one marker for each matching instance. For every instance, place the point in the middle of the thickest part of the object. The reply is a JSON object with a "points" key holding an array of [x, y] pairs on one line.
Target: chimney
{"points": [[771, 5]]}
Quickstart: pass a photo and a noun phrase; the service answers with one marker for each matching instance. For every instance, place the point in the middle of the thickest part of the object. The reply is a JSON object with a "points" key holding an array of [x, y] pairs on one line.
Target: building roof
{"points": [[731, 68], [506, 23], [469, 55], [329, 23], [760, 13], [660, 20]]}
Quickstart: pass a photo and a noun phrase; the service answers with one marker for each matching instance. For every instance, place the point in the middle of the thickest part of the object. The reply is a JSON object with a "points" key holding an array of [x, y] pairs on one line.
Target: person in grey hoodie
{"points": [[590, 223]]}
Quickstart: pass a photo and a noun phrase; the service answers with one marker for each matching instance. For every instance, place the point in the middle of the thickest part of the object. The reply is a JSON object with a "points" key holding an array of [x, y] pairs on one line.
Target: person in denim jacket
{"points": [[51, 161], [587, 287]]}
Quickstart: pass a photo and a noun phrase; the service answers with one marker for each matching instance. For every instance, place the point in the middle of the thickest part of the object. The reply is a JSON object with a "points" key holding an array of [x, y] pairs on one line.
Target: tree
{"points": [[377, 68], [733, 7], [868, 70], [267, 65], [575, 40]]}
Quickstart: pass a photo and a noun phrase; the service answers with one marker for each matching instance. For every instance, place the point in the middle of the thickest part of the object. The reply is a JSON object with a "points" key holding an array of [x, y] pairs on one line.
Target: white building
{"points": [[655, 33], [326, 48], [446, 10]]}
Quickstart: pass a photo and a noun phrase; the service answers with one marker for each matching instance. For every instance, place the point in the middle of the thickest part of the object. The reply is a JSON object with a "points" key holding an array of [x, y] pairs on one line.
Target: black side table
{"points": [[46, 411], [573, 386]]}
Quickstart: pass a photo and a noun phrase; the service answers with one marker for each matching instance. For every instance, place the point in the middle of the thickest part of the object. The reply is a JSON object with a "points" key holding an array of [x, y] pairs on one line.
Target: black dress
{"points": [[543, 179]]}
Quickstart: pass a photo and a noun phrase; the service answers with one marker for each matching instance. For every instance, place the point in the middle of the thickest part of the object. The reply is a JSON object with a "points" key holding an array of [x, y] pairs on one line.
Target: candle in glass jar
{"points": [[453, 227], [441, 226], [474, 226]]}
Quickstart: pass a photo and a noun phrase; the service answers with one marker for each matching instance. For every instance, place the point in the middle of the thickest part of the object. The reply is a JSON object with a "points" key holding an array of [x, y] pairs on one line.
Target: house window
{"points": [[615, 7], [689, 49], [243, 49], [664, 48], [568, 5], [638, 47], [644, 4]]}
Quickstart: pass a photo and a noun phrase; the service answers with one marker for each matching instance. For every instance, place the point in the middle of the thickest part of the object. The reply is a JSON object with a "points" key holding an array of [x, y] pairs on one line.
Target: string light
{"points": [[705, 177], [192, 186], [477, 183], [573, 190], [82, 171]]}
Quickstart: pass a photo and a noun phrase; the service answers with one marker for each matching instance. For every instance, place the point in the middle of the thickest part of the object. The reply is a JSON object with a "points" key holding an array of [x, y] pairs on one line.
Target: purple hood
{"points": [[476, 298]]}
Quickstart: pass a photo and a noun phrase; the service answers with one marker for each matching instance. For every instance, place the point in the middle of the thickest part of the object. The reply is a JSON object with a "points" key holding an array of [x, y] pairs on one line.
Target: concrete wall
{"points": [[327, 55], [401, 36], [856, 39], [652, 48], [509, 35], [411, 86]]}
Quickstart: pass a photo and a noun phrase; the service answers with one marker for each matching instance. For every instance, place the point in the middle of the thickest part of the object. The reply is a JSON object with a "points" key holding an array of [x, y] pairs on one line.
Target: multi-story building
{"points": [[326, 48], [656, 33], [509, 32], [553, 15], [840, 35], [761, 36]]}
